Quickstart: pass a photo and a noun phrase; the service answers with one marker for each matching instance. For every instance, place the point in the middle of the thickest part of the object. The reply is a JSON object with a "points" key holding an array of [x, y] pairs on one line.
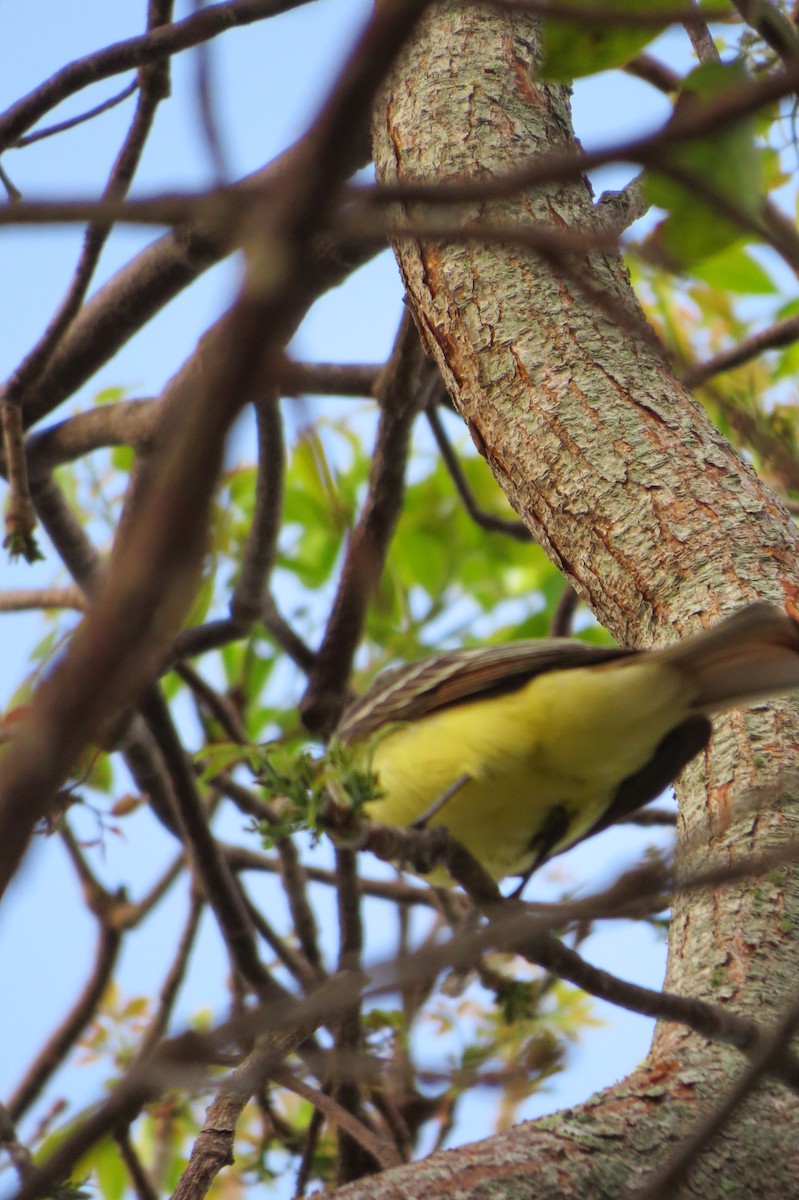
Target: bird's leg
{"points": [[554, 829], [439, 802]]}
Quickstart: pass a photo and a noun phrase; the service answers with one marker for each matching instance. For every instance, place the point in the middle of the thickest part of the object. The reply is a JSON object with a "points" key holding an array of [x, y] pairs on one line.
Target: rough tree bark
{"points": [[661, 527]]}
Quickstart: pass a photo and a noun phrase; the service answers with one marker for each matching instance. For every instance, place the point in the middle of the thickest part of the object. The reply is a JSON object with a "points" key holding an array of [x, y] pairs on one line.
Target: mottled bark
{"points": [[659, 524]]}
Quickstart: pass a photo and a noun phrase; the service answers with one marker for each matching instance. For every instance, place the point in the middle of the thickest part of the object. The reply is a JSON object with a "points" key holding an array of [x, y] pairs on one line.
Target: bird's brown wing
{"points": [[413, 691]]}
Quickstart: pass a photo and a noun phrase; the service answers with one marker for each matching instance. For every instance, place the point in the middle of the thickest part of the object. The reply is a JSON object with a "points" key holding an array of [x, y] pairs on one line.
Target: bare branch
{"points": [[701, 39], [72, 122], [171, 985], [781, 333], [329, 379], [401, 389], [773, 25], [127, 55], [489, 521], [21, 599], [20, 517], [153, 88], [143, 1187], [247, 602], [63, 1039]]}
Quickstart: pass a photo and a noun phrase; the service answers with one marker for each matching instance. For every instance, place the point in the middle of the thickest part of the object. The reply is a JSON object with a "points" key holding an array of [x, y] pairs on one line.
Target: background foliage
{"points": [[713, 263]]}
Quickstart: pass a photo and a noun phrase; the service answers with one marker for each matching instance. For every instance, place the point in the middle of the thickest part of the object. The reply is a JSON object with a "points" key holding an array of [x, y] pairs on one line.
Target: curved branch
{"points": [[132, 53]]}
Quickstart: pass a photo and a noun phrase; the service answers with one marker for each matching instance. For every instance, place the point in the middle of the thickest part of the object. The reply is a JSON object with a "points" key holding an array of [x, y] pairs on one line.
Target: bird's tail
{"points": [[752, 654]]}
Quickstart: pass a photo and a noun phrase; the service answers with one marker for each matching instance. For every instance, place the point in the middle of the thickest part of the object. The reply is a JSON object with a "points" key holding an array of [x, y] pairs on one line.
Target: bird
{"points": [[522, 749]]}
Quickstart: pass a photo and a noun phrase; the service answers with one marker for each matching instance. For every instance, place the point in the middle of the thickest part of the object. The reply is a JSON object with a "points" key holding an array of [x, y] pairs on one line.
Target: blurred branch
{"points": [[153, 88], [143, 1187], [701, 38], [401, 391], [160, 272], [22, 599], [123, 423], [563, 615], [629, 16], [20, 514], [773, 25], [127, 55], [62, 1040], [329, 379], [19, 1154], [654, 72], [260, 549], [781, 333], [171, 985]]}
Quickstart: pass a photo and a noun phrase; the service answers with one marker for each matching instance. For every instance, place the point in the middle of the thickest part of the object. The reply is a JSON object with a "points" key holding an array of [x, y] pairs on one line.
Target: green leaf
{"points": [[109, 1171], [219, 757], [735, 270], [578, 46], [711, 187]]}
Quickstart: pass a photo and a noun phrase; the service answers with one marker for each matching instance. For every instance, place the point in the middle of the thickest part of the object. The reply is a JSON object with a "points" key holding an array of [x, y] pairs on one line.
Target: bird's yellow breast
{"points": [[565, 740]]}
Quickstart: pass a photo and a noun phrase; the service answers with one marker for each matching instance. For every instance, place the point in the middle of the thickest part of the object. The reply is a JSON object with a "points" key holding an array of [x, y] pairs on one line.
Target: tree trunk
{"points": [[661, 527]]}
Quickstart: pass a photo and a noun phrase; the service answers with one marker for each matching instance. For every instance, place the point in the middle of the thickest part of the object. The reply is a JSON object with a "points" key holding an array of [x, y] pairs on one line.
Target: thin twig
{"points": [[241, 858], [489, 521], [296, 963], [401, 387], [205, 107], [562, 618], [143, 1187], [130, 54], [175, 976], [212, 872], [80, 119], [218, 706], [354, 1158], [66, 533], [260, 549], [379, 1149], [295, 885], [63, 1039], [781, 333], [310, 1144], [153, 88]]}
